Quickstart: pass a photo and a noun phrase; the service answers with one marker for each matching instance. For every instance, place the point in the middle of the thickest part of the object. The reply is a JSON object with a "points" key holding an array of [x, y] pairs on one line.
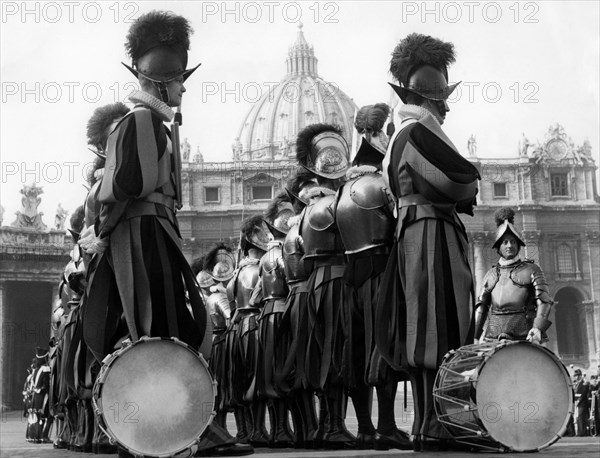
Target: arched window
{"points": [[564, 257]]}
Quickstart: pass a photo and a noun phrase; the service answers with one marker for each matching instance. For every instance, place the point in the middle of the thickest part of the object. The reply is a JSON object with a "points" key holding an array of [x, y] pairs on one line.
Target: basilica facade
{"points": [[551, 185]]}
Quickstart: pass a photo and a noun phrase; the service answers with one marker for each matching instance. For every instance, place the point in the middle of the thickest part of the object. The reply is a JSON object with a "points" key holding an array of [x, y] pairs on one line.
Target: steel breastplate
{"points": [[319, 232], [361, 216], [274, 284], [507, 296], [245, 283], [292, 257]]}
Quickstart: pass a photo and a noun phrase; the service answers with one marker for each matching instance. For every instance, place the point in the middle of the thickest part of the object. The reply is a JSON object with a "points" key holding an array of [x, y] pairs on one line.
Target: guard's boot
{"points": [[243, 424], [282, 436], [362, 399], [259, 436], [323, 425], [337, 436], [308, 414]]}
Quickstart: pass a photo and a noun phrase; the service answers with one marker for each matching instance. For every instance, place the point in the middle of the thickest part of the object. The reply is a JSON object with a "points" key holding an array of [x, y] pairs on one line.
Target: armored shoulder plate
{"points": [[524, 273], [218, 308], [490, 279], [369, 191], [363, 215], [321, 215], [246, 281], [274, 284], [319, 233], [292, 256]]}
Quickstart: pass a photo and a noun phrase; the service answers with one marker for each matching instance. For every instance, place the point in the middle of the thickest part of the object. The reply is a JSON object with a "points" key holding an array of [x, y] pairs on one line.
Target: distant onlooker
{"points": [[582, 403]]}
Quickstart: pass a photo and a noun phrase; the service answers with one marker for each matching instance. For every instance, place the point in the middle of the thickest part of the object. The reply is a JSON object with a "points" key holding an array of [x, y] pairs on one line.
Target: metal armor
{"points": [[295, 267], [318, 229], [364, 213], [274, 284], [218, 308], [519, 290], [245, 281]]}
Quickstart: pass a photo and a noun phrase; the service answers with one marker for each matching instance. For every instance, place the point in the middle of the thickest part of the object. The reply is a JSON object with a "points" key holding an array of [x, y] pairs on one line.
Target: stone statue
{"points": [[29, 215], [198, 158], [60, 218], [472, 146], [237, 149], [185, 150], [524, 145]]}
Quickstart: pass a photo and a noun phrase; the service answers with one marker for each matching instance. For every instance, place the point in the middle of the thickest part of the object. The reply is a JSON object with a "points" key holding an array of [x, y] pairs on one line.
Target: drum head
{"points": [[157, 397], [524, 396]]}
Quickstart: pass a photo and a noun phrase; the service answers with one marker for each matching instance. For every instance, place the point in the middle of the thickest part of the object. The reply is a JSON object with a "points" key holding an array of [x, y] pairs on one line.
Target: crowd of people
{"points": [[356, 277]]}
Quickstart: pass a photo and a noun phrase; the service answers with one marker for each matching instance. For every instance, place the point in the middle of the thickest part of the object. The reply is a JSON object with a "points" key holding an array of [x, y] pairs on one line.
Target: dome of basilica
{"points": [[269, 130]]}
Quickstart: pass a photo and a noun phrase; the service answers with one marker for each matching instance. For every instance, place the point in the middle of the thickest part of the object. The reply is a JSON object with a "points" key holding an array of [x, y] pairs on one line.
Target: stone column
{"points": [[593, 245], [5, 334], [587, 308], [479, 240]]}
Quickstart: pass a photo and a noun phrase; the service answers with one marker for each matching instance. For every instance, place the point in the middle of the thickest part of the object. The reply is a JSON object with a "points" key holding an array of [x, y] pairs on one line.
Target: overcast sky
{"points": [[524, 66]]}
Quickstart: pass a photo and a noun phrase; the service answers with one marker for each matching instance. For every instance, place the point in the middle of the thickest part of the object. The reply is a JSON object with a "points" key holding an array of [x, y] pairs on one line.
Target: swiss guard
{"points": [[514, 298], [426, 302]]}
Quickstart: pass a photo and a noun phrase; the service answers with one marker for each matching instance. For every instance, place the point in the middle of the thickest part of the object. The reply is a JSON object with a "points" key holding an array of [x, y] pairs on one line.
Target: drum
{"points": [[504, 396], [155, 397]]}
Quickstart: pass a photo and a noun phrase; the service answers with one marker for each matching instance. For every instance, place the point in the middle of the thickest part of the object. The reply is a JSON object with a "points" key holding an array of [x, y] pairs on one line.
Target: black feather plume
{"points": [[505, 213], [418, 49], [305, 136], [197, 265], [210, 259], [101, 119], [76, 220], [157, 28], [371, 118], [274, 207]]}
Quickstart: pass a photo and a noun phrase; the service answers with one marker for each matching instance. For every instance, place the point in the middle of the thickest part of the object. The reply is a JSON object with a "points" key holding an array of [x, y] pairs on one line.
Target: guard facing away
{"points": [[514, 299], [365, 218], [292, 335], [425, 305], [322, 150]]}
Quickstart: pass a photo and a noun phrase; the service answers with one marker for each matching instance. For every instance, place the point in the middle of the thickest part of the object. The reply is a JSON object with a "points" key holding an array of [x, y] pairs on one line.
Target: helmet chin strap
{"points": [[163, 91]]}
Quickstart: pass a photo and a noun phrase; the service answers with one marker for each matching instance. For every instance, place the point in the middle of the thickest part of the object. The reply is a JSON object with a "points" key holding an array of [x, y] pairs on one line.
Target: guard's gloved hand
{"points": [[91, 243], [534, 335]]}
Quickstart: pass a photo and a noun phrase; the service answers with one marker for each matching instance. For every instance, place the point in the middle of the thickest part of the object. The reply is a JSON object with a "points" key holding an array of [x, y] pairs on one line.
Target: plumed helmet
{"points": [[505, 225], [420, 64], [158, 44], [322, 149], [278, 213], [41, 353], [303, 179], [369, 122], [98, 124], [255, 234], [220, 263]]}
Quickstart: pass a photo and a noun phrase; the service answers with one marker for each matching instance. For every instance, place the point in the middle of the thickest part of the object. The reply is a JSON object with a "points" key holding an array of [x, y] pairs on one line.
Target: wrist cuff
{"points": [[542, 323]]}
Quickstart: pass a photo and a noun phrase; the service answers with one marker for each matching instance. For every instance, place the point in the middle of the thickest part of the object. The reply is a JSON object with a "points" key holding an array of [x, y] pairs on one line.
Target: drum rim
{"points": [[494, 347], [97, 392]]}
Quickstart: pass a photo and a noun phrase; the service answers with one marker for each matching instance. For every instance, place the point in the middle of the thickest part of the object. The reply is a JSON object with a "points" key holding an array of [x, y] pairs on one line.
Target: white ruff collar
{"points": [[160, 107], [294, 220], [415, 111], [359, 170], [508, 262], [319, 191]]}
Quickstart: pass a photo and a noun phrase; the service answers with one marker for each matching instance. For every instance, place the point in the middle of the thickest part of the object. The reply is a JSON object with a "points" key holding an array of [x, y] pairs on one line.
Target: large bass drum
{"points": [[504, 396], [155, 397]]}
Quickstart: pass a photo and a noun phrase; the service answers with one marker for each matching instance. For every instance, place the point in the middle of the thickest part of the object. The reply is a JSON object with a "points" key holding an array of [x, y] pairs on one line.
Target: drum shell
{"points": [[507, 396], [155, 397]]}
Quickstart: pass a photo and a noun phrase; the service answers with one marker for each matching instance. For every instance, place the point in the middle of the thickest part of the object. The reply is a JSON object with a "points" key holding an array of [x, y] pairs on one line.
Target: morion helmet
{"points": [[278, 213], [420, 64], [505, 219], [321, 149], [158, 44]]}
